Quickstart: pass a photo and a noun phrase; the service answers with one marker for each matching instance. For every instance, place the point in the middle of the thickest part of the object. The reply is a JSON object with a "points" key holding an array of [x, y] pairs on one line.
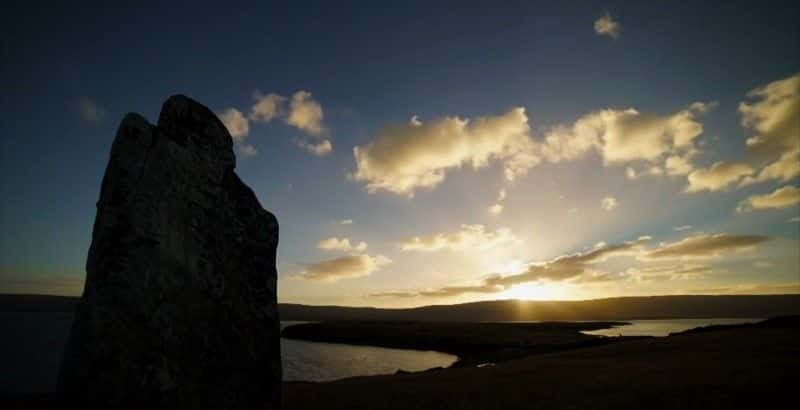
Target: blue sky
{"points": [[70, 72]]}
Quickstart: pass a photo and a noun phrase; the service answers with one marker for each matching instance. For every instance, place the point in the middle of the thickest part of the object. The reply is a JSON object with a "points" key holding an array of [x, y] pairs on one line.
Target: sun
{"points": [[534, 291]]}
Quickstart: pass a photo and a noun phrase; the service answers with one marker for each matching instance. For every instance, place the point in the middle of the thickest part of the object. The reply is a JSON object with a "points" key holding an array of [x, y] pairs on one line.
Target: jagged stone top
{"points": [[186, 122]]}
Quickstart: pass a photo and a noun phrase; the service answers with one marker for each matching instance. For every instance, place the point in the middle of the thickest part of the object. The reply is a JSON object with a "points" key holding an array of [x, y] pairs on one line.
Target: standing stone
{"points": [[179, 307]]}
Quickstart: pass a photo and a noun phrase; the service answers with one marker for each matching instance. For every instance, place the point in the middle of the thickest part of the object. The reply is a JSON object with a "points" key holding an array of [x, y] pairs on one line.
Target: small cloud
{"points": [[496, 209], [305, 113], [719, 177], [607, 26], [470, 237], [780, 198], [682, 228], [246, 150], [236, 123], [344, 267], [343, 244], [91, 111], [794, 220], [346, 222], [609, 203], [266, 107], [317, 148], [501, 196]]}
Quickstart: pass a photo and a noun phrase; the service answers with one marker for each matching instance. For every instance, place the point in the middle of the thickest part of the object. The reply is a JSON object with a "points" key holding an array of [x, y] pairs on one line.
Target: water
{"points": [[663, 327], [31, 346]]}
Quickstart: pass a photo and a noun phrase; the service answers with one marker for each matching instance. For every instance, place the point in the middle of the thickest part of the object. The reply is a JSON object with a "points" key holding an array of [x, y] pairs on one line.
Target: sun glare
{"points": [[534, 291]]}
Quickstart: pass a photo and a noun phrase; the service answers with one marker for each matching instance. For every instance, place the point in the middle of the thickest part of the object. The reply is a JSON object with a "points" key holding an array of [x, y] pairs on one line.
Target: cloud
{"points": [[305, 113], [266, 107], [246, 150], [581, 267], [346, 222], [470, 237], [780, 198], [343, 244], [673, 272], [609, 203], [497, 208], [720, 176], [753, 289], [771, 113], [704, 246], [319, 149], [783, 169], [574, 268], [236, 123], [794, 219], [91, 111], [624, 136], [406, 157], [607, 26], [677, 165], [409, 156], [682, 228], [344, 267]]}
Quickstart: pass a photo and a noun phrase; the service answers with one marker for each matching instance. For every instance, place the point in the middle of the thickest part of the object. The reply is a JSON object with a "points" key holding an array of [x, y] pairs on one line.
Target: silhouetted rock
{"points": [[179, 308]]}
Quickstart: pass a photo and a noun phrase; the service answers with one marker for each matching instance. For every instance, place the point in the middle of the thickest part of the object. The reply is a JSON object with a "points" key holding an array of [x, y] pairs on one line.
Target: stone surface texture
{"points": [[179, 308]]}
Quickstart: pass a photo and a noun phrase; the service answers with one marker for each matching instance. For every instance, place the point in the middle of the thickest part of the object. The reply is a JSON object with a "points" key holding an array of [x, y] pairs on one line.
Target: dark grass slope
{"points": [[727, 367]]}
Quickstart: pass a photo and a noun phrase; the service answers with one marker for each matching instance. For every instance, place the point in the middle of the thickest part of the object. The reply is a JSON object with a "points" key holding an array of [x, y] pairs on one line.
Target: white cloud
{"points": [[720, 176], [780, 198], [677, 165], [771, 113], [470, 237], [305, 113], [344, 267], [319, 149], [236, 123], [343, 244], [246, 150], [794, 219], [607, 26], [496, 209], [501, 196], [624, 136], [682, 228], [91, 111], [406, 157], [267, 107], [609, 203], [346, 222]]}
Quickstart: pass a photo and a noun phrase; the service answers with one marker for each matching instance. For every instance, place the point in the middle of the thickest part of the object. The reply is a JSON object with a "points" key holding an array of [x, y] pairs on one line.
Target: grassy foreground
{"points": [[743, 366], [719, 367]]}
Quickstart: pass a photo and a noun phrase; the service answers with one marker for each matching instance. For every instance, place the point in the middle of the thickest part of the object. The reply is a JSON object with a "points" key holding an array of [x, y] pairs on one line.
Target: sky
{"points": [[432, 152]]}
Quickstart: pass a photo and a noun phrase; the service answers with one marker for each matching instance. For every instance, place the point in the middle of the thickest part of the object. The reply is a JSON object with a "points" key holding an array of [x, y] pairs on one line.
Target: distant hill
{"points": [[627, 308]]}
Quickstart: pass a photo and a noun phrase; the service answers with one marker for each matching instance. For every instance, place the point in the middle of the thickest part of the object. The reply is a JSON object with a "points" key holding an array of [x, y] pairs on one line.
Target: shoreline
{"points": [[473, 343]]}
